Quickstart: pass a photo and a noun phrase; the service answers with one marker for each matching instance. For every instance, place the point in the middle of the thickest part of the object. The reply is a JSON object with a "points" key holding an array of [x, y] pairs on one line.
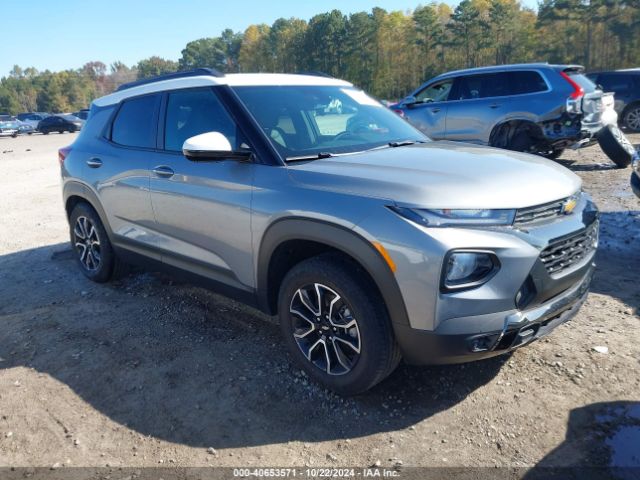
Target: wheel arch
{"points": [[503, 132], [289, 241], [76, 192]]}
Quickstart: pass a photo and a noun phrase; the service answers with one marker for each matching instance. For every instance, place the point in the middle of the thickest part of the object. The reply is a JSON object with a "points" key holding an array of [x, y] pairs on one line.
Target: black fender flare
{"points": [[341, 239]]}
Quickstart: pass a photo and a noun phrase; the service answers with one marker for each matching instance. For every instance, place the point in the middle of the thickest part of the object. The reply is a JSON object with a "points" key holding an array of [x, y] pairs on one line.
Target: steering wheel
{"points": [[347, 134]]}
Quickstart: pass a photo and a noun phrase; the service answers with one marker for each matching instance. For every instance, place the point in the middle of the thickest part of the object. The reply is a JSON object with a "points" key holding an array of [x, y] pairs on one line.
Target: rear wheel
{"points": [[521, 141], [631, 118], [89, 239], [616, 145], [336, 326]]}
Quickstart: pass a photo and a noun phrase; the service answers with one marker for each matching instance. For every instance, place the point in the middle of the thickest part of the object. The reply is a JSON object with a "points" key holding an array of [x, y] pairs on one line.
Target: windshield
{"points": [[307, 121]]}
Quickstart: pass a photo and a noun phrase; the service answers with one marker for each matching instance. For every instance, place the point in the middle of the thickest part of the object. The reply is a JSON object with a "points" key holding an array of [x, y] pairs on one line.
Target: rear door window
{"points": [[136, 122], [484, 85], [524, 82]]}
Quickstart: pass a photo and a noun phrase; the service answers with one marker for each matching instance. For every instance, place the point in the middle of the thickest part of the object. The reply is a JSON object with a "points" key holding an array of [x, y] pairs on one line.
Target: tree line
{"points": [[386, 53]]}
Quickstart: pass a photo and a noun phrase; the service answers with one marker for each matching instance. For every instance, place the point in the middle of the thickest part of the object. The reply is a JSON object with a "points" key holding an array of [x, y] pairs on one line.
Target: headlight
{"points": [[464, 270], [448, 218]]}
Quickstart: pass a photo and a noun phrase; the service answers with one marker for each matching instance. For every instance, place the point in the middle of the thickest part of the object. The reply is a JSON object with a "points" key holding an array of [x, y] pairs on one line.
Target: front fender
{"points": [[340, 238]]}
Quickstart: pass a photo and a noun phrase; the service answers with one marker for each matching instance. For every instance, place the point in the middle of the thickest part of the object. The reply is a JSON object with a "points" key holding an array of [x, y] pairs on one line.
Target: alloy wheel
{"points": [[632, 120], [325, 329], [622, 140], [87, 243]]}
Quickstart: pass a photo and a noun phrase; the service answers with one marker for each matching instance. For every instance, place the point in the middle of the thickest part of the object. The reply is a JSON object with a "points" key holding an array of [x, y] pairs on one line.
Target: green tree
{"points": [[324, 43], [255, 53], [154, 66]]}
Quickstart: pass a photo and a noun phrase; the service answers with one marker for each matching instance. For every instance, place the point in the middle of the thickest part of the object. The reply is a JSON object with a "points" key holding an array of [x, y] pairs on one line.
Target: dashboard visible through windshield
{"points": [[321, 121]]}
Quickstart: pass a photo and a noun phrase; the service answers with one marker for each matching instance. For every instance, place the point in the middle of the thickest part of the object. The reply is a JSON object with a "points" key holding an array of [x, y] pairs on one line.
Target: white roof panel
{"points": [[233, 80]]}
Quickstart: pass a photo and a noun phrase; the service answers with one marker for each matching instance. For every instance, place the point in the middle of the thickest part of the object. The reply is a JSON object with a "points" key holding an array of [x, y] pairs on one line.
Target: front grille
{"points": [[539, 213], [563, 253]]}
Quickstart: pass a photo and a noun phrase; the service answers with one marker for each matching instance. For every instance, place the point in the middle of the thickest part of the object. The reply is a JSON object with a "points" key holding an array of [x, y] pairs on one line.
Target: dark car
{"points": [[626, 86], [60, 124]]}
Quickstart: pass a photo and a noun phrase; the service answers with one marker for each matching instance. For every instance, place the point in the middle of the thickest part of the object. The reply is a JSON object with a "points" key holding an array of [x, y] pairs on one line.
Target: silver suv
{"points": [[537, 108], [369, 241]]}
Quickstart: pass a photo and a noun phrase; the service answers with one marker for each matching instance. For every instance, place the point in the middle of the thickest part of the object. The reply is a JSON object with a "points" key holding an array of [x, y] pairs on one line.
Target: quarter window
{"points": [[135, 124], [192, 112], [527, 82]]}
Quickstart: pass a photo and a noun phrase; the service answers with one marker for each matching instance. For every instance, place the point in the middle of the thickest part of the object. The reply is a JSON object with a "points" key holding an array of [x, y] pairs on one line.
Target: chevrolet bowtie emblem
{"points": [[569, 206]]}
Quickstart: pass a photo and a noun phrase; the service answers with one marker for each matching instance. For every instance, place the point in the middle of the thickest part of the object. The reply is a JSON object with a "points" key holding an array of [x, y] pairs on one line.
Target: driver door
{"points": [[429, 113], [202, 209]]}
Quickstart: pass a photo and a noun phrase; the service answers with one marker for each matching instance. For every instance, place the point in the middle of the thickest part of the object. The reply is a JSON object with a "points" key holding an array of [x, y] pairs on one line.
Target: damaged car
{"points": [[536, 108]]}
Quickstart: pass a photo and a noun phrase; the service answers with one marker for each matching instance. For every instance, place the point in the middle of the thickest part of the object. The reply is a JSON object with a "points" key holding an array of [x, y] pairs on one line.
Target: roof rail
{"points": [[315, 74], [212, 72]]}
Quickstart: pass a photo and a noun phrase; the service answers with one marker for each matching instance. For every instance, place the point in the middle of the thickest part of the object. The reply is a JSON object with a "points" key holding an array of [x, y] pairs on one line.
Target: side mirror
{"points": [[409, 101], [212, 146]]}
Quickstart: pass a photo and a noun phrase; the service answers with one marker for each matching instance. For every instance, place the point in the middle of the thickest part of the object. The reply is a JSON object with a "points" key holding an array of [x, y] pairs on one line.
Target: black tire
{"points": [[631, 118], [521, 141], [45, 132], [616, 146], [359, 306], [60, 132], [85, 227]]}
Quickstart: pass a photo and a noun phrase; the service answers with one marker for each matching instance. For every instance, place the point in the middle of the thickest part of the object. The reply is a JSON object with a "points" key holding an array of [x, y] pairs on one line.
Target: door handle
{"points": [[163, 171], [435, 110], [494, 105], [94, 162]]}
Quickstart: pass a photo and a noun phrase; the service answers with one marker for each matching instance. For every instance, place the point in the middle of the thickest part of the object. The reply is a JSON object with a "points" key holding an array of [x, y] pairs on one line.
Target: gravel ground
{"points": [[151, 372]]}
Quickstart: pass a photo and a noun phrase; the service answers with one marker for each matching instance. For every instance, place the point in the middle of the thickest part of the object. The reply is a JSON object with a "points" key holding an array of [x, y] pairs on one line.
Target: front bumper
{"points": [[420, 347]]}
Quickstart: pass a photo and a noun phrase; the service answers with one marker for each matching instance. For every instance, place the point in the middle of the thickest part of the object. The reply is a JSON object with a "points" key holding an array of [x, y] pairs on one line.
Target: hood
{"points": [[442, 175]]}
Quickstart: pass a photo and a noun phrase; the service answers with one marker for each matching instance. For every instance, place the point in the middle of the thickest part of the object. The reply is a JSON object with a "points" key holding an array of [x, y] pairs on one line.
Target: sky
{"points": [[58, 35]]}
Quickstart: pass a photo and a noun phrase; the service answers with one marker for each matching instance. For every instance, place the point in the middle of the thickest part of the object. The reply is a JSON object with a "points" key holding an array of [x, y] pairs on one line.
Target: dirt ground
{"points": [[150, 372]]}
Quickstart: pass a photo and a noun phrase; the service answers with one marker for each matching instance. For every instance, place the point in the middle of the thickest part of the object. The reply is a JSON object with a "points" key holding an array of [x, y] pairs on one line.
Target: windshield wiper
{"points": [[315, 156], [404, 143]]}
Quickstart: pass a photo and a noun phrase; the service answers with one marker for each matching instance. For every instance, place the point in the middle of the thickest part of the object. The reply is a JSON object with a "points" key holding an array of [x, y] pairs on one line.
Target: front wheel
{"points": [[335, 325]]}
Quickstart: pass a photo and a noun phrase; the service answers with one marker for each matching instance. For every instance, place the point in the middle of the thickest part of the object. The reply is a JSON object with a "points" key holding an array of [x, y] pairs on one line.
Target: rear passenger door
{"points": [[202, 209], [119, 171], [476, 104]]}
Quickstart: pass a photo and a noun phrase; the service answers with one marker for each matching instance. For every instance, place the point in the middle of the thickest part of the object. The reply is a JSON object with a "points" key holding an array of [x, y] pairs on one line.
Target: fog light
{"points": [[469, 269]]}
